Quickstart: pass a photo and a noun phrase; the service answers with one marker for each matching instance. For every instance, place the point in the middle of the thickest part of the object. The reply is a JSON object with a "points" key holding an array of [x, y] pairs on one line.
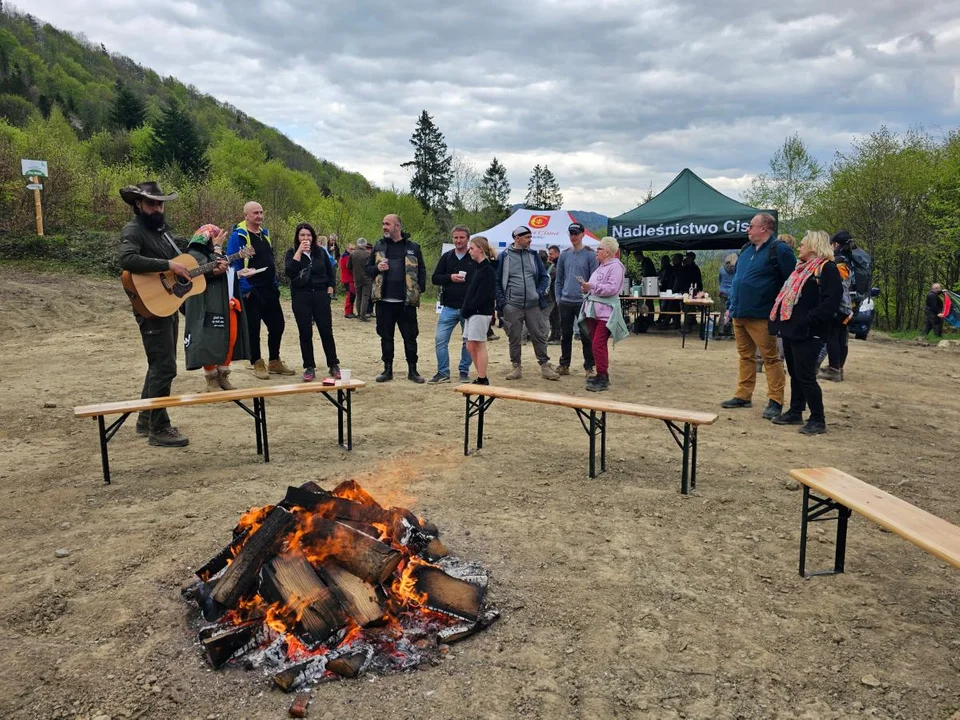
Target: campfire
{"points": [[328, 585]]}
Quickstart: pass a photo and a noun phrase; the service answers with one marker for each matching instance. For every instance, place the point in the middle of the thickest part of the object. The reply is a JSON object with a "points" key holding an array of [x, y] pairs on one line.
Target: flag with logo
{"points": [[951, 308]]}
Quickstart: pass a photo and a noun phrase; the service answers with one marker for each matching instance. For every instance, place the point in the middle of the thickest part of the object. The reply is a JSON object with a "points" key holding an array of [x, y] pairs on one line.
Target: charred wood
{"points": [[357, 597], [447, 594], [363, 555], [350, 663], [222, 642], [291, 581]]}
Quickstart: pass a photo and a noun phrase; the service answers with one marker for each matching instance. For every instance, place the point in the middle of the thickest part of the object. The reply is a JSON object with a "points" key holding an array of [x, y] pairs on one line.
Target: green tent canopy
{"points": [[687, 215]]}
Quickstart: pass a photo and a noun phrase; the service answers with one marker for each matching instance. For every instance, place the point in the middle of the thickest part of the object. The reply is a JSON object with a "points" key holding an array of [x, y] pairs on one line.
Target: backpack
{"points": [[772, 258], [862, 273]]}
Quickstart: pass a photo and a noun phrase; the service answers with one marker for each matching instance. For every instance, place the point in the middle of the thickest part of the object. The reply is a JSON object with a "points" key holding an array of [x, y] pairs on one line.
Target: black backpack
{"points": [[862, 272]]}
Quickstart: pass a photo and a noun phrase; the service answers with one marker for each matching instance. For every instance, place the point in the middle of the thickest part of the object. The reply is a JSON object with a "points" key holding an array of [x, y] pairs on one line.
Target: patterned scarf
{"points": [[790, 292]]}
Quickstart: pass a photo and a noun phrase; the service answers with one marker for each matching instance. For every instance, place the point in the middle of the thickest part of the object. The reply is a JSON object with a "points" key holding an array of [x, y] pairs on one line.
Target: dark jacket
{"points": [[666, 277], [311, 272], [758, 278], [413, 268], [358, 266], [815, 309], [934, 304], [143, 250], [685, 276], [452, 293], [206, 330], [481, 290], [541, 279]]}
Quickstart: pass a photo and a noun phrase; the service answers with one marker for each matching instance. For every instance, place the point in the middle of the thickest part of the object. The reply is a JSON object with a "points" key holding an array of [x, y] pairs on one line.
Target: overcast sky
{"points": [[612, 95]]}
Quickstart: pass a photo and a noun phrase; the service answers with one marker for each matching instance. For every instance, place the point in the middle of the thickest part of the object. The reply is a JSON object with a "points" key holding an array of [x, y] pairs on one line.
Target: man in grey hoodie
{"points": [[575, 265], [522, 284]]}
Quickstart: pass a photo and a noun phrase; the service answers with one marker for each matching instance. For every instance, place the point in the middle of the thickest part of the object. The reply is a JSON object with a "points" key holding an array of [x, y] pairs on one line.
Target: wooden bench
{"points": [[826, 490], [587, 409], [258, 412]]}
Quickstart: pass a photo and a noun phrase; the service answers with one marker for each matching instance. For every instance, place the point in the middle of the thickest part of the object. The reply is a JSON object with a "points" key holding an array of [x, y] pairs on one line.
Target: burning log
{"points": [[303, 672], [447, 594], [363, 555], [291, 581], [350, 663], [241, 574], [222, 642], [219, 561], [456, 633], [358, 598]]}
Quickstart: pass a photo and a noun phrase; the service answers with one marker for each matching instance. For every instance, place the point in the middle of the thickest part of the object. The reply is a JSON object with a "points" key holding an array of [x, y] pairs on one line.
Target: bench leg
{"points": [[815, 509], [685, 472], [704, 319], [349, 444], [687, 442], [475, 407], [256, 423], [263, 426], [106, 433], [603, 442], [595, 426], [593, 443], [693, 457], [339, 417], [466, 428]]}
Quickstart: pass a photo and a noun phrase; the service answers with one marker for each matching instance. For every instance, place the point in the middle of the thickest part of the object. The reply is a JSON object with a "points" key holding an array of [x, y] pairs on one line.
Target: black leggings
{"points": [[837, 346], [801, 356], [309, 308]]}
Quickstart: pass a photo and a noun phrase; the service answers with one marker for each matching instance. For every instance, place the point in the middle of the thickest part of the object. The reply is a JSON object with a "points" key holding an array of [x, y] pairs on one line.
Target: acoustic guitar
{"points": [[161, 294]]}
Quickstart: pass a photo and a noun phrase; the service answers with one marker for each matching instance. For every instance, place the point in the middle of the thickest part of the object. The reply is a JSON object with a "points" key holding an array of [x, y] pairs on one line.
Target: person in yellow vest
{"points": [[260, 289]]}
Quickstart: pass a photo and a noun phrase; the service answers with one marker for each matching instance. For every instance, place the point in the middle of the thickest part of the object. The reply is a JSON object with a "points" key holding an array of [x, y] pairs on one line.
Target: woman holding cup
{"points": [[477, 307]]}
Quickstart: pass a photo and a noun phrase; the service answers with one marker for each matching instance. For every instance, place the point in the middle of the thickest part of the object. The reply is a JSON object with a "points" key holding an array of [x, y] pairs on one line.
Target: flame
{"points": [[404, 587], [252, 519]]}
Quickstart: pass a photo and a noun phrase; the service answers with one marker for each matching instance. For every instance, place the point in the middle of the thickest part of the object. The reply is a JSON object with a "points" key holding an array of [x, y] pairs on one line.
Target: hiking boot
{"points": [[548, 373], [349, 316], [481, 381], [516, 373], [364, 318], [563, 370], [387, 374], [736, 402], [832, 374], [790, 417], [772, 410], [413, 375], [589, 372], [600, 383], [277, 367], [439, 378], [309, 375], [143, 428], [168, 437], [334, 371], [814, 427], [223, 379], [465, 377], [260, 370], [213, 385]]}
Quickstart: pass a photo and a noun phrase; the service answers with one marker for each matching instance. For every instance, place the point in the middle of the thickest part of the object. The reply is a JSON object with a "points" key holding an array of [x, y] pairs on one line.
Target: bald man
{"points": [[399, 276], [260, 288]]}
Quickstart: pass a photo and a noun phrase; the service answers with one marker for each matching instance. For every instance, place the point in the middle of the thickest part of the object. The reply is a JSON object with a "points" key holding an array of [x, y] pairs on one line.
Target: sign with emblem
{"points": [[539, 221]]}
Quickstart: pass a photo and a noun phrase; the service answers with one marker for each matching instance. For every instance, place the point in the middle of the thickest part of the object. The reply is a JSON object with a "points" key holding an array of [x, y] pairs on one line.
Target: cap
{"points": [[842, 238], [522, 230], [575, 228]]}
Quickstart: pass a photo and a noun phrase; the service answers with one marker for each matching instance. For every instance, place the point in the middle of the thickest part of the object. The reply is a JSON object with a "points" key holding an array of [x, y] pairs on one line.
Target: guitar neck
{"points": [[206, 267]]}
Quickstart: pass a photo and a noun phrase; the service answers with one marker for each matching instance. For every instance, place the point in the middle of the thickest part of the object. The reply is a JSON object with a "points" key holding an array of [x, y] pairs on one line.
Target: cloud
{"points": [[613, 95]]}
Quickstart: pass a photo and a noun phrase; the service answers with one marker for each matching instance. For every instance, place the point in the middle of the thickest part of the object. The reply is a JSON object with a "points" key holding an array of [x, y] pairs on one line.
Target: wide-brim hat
{"points": [[149, 190]]}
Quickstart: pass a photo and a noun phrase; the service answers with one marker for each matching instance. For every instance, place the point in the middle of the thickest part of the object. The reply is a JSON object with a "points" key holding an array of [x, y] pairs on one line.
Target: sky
{"points": [[614, 96]]}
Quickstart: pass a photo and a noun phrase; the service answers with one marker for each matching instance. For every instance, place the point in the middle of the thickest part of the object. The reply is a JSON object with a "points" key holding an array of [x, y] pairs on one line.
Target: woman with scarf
{"points": [[601, 310], [802, 315]]}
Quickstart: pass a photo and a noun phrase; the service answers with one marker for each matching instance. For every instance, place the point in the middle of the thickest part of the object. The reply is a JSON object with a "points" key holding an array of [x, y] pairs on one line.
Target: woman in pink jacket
{"points": [[601, 309]]}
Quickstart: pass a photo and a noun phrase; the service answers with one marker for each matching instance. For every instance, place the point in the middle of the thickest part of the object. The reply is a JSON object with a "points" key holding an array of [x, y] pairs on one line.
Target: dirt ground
{"points": [[621, 598]]}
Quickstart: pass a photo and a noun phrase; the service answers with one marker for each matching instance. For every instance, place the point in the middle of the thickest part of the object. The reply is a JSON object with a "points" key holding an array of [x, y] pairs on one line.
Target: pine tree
{"points": [[534, 199], [552, 197], [495, 189], [431, 165], [178, 143], [128, 111]]}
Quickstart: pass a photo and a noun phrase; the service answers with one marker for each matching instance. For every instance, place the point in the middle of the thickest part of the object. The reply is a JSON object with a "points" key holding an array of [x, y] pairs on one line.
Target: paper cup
{"points": [[345, 374], [462, 273]]}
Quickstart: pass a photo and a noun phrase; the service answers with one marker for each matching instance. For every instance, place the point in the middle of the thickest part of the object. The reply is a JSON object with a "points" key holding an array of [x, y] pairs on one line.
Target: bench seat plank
{"points": [[929, 532], [587, 403], [131, 406]]}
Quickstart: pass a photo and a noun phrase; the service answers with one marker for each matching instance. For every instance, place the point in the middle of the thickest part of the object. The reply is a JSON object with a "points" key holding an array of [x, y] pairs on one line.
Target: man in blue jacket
{"points": [[764, 264], [521, 290]]}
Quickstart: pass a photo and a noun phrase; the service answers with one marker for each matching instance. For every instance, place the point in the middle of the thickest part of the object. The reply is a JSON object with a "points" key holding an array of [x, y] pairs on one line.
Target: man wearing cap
{"points": [[260, 288], [147, 247], [362, 282], [521, 289], [575, 266]]}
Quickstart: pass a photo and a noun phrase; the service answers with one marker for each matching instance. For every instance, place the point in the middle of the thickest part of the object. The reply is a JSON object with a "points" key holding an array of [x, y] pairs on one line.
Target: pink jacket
{"points": [[606, 281]]}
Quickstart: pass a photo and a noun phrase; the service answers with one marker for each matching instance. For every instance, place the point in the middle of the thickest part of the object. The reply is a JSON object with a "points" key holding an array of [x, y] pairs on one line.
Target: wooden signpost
{"points": [[34, 170]]}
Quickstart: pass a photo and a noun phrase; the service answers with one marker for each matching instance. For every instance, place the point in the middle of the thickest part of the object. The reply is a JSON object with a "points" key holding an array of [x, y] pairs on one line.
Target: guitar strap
{"points": [[166, 234]]}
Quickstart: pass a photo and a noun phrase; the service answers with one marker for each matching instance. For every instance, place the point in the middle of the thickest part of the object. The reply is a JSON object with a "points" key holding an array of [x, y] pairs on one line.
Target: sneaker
{"points": [[736, 402], [491, 335], [600, 383], [790, 417], [309, 375], [772, 410], [278, 367], [260, 370], [563, 370], [439, 378], [349, 316], [831, 374], [548, 373], [335, 372], [465, 377], [814, 427], [481, 381], [516, 373], [168, 437]]}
